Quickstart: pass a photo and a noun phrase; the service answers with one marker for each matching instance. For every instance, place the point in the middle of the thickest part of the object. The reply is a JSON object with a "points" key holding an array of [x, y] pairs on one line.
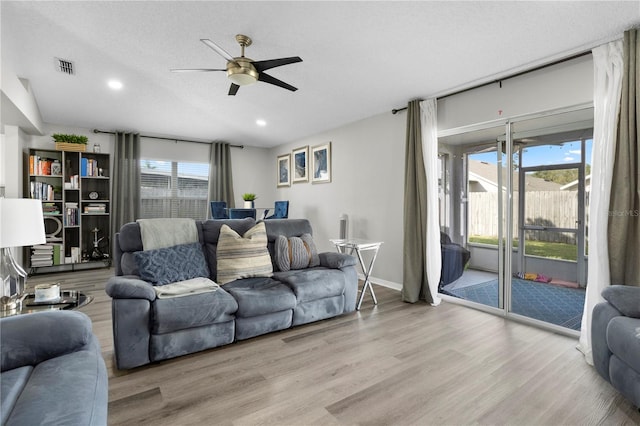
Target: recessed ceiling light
{"points": [[115, 84], [261, 122]]}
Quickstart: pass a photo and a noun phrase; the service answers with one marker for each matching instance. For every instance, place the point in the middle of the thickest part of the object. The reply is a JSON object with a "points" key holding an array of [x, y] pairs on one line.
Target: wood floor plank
{"points": [[391, 364]]}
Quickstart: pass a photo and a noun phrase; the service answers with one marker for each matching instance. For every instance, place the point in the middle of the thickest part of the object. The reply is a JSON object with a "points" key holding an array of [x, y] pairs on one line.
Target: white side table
{"points": [[357, 245]]}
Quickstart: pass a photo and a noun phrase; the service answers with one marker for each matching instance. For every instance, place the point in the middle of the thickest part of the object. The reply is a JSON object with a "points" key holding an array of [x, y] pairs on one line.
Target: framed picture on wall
{"points": [[284, 170], [300, 171], [321, 163]]}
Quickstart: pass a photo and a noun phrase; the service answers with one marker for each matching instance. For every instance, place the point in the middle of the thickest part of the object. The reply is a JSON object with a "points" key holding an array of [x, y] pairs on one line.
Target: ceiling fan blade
{"points": [[233, 89], [195, 70], [219, 50], [272, 63], [266, 78]]}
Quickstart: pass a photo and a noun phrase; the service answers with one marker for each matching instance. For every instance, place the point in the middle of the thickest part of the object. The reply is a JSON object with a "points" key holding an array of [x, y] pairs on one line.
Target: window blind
{"points": [[173, 189]]}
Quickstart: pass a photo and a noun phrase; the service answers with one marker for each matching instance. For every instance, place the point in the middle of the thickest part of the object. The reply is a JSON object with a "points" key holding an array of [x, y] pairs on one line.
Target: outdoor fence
{"points": [[557, 209]]}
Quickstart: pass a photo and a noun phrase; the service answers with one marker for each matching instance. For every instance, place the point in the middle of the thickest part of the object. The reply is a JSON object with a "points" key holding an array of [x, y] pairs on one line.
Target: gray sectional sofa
{"points": [[615, 339], [147, 328], [52, 371]]}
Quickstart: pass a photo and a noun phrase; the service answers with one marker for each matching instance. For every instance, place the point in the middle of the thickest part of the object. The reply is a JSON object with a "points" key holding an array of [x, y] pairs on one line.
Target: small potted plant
{"points": [[70, 142], [249, 199]]}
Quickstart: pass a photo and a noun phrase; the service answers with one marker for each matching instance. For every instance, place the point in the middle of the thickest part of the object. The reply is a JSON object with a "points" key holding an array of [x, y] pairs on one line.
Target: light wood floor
{"points": [[393, 364]]}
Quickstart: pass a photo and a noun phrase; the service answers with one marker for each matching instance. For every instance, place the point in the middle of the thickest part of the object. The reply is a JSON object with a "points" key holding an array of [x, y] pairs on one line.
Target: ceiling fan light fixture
{"points": [[242, 72], [242, 79]]}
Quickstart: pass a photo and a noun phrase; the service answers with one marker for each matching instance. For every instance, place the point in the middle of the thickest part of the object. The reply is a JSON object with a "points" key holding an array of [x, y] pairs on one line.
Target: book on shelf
{"points": [[89, 167], [71, 214], [50, 208], [44, 166], [73, 183], [42, 255], [42, 191], [58, 253], [95, 208]]}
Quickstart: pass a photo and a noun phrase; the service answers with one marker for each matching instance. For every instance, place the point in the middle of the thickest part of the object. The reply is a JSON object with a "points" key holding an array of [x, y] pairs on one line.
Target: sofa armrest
{"points": [[130, 287], [337, 260], [625, 299], [34, 338]]}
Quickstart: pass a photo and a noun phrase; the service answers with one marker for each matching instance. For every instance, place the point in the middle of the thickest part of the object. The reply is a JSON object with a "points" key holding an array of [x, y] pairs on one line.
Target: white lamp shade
{"points": [[21, 222]]}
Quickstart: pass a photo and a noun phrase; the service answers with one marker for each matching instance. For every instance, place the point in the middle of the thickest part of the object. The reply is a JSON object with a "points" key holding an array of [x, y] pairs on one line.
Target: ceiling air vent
{"points": [[65, 66]]}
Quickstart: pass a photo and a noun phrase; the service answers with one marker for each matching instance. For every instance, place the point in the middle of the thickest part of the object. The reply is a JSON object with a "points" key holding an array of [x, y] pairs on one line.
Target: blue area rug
{"points": [[556, 305]]}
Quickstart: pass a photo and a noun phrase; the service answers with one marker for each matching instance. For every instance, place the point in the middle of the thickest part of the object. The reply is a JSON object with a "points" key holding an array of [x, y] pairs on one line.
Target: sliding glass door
{"points": [[518, 198], [473, 244]]}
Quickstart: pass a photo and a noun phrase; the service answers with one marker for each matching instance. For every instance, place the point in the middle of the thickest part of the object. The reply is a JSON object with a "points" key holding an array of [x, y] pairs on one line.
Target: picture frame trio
{"points": [[294, 167]]}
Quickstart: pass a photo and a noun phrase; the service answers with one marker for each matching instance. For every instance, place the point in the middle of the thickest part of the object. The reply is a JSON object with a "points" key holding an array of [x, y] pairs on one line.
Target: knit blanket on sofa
{"points": [[161, 233], [185, 288]]}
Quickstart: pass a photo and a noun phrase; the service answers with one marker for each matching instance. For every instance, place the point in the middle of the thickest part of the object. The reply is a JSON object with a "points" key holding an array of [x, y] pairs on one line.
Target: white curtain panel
{"points": [[429, 125], [607, 71]]}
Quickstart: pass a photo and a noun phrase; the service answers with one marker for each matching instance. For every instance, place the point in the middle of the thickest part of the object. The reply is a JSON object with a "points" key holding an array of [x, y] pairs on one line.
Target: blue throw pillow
{"points": [[172, 264]]}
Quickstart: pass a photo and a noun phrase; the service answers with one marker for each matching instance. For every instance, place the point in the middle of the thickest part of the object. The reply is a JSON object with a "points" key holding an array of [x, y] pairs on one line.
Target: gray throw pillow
{"points": [[296, 252], [172, 264]]}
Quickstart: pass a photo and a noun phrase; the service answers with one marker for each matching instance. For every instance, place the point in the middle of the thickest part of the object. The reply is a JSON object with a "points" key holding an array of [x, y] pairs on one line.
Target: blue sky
{"points": [[568, 152]]}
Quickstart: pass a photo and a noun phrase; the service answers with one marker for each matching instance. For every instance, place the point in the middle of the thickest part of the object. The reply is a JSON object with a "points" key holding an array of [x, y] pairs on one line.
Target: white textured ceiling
{"points": [[360, 58]]}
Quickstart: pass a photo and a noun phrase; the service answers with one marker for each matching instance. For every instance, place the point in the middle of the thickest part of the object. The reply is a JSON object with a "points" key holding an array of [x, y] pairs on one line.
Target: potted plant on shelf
{"points": [[70, 142], [249, 199]]}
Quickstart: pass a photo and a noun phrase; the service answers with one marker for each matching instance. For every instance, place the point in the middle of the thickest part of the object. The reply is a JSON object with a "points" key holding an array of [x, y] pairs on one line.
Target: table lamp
{"points": [[21, 224]]}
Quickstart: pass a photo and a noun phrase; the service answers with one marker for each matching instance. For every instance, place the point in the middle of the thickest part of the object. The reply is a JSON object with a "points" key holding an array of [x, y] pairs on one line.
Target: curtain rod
{"points": [[167, 139], [500, 80]]}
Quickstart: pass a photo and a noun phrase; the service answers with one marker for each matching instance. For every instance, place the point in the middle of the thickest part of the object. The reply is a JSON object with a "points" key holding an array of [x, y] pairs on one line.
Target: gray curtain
{"points": [[125, 204], [220, 176], [415, 285], [624, 207]]}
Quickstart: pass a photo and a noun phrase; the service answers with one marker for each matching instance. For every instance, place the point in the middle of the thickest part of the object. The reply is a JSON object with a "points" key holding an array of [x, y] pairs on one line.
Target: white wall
{"points": [[367, 184], [558, 86], [3, 156], [253, 172], [14, 139]]}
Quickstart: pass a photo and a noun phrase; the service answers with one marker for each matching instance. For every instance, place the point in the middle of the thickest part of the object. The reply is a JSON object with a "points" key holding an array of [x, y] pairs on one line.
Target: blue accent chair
{"points": [[281, 210], [242, 213], [219, 210]]}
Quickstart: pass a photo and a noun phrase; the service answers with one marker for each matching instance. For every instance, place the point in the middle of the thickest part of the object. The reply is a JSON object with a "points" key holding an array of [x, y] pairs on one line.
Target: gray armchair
{"points": [[52, 371]]}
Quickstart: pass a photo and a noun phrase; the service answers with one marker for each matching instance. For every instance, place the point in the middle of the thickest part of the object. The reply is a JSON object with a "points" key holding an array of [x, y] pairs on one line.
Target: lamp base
{"points": [[14, 280]]}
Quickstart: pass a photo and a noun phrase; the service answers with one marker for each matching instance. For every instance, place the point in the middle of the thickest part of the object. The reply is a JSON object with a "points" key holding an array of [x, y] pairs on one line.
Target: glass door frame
{"points": [[505, 213]]}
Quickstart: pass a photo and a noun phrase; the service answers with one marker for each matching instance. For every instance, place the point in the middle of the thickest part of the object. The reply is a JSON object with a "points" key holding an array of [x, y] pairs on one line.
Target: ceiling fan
{"points": [[243, 71]]}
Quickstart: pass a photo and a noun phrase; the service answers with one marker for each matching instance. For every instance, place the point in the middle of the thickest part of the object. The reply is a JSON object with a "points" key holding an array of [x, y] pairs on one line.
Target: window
{"points": [[173, 189]]}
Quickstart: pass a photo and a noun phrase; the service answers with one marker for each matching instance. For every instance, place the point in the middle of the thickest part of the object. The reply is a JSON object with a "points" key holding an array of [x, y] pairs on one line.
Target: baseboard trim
{"points": [[383, 283]]}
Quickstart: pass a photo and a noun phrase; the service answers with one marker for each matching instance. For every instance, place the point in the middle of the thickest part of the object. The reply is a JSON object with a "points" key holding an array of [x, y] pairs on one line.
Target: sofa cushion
{"points": [[243, 256], [263, 324], [258, 296], [296, 252], [171, 264], [11, 384], [179, 313], [67, 390], [317, 310], [314, 283], [623, 339]]}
